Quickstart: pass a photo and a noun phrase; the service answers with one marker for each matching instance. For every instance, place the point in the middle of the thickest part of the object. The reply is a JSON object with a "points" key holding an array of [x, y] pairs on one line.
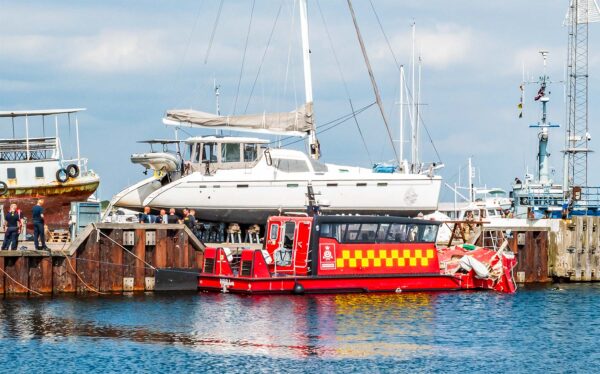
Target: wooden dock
{"points": [[105, 258], [554, 249]]}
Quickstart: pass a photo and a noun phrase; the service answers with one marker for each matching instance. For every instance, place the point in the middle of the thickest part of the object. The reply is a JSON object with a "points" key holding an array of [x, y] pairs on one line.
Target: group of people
{"points": [[188, 218], [14, 224]]}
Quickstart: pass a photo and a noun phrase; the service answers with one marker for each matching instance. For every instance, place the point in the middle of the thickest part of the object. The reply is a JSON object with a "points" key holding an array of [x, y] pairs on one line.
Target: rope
{"points": [[263, 56], [81, 279], [237, 90], [372, 78], [131, 253], [14, 280], [214, 30], [137, 267], [339, 67], [384, 35], [340, 121]]}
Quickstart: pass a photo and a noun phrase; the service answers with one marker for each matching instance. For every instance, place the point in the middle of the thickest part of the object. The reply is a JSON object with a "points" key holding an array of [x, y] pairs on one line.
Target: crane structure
{"points": [[580, 14]]}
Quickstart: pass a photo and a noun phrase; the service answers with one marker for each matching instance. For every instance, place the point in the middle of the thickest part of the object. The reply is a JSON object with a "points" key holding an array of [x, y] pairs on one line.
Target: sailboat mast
{"points": [[414, 102], [401, 138], [313, 141]]}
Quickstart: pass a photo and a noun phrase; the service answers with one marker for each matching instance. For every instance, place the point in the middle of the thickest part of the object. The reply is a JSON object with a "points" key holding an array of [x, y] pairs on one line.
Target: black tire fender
{"points": [[3, 188], [62, 175], [73, 171]]}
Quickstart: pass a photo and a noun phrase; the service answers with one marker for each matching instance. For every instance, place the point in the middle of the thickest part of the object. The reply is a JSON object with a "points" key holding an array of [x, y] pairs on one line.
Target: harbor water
{"points": [[539, 329]]}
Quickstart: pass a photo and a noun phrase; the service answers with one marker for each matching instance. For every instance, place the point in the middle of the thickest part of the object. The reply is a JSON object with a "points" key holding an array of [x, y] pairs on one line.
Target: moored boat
{"points": [[35, 167], [321, 254]]}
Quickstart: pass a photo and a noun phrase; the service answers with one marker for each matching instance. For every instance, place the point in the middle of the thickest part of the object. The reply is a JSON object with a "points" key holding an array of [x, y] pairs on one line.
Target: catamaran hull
{"points": [[254, 201], [133, 196]]}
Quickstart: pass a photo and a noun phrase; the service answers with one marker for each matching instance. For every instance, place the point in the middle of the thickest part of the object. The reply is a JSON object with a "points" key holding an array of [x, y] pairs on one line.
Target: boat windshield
{"points": [[290, 165], [380, 232], [250, 152], [230, 152]]}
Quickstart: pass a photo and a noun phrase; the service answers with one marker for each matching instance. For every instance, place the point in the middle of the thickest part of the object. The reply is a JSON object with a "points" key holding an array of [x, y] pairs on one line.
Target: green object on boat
{"points": [[469, 247]]}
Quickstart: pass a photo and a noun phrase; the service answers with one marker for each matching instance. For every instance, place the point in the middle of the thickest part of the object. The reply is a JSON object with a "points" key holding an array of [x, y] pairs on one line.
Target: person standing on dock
{"points": [[12, 228], [162, 217], [146, 217], [189, 220], [39, 236], [172, 218]]}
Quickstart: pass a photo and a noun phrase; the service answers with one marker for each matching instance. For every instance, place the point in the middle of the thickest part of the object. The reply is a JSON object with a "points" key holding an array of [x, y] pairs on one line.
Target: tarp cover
{"points": [[297, 122]]}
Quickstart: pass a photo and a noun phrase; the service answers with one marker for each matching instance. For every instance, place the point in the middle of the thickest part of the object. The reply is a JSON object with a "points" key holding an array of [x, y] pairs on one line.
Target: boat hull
{"points": [[251, 201], [388, 283], [57, 200]]}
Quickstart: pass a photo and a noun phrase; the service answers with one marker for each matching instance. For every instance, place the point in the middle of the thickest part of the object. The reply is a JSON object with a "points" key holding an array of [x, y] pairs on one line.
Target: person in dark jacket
{"points": [[12, 228], [39, 237], [172, 218], [189, 220]]}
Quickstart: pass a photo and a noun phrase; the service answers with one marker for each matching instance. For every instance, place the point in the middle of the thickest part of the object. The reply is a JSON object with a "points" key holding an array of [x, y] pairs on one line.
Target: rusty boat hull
{"points": [[57, 199]]}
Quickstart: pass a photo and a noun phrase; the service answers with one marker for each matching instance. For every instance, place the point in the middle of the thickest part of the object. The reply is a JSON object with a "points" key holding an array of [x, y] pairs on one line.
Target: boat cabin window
{"points": [[290, 166], [288, 235], [380, 232], [11, 173], [209, 152], [39, 172], [250, 152], [230, 152], [396, 233], [273, 231], [318, 167], [333, 231]]}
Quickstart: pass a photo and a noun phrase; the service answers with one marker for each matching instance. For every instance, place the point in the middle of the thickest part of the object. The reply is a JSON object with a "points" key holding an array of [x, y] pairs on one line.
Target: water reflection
{"points": [[282, 326]]}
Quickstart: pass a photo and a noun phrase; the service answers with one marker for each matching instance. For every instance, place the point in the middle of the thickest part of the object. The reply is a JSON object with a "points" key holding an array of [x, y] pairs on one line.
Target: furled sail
{"points": [[297, 123]]}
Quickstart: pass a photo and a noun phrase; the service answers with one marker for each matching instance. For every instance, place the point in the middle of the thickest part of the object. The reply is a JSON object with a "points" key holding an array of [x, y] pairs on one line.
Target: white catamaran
{"points": [[241, 179]]}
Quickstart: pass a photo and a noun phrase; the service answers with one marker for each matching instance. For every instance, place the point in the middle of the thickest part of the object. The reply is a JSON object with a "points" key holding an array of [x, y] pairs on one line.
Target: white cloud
{"points": [[120, 51], [440, 46]]}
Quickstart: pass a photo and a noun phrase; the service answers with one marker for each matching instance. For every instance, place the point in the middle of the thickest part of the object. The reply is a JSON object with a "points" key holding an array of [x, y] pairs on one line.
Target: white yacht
{"points": [[235, 179], [242, 179]]}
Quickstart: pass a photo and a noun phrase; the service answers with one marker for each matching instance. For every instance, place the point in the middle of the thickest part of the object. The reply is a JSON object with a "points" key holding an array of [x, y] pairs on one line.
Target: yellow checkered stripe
{"points": [[384, 258]]}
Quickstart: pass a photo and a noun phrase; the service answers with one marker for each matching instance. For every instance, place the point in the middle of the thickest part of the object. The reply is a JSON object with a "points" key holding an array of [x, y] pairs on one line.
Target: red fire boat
{"points": [[324, 254]]}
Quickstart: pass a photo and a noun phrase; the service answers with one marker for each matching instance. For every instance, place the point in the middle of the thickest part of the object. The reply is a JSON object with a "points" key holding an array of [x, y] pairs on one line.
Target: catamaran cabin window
{"points": [[333, 231], [11, 173], [209, 152], [318, 167], [250, 152], [230, 152], [39, 172], [290, 166]]}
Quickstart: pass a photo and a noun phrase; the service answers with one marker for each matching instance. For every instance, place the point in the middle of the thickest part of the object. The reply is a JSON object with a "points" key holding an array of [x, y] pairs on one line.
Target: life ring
{"points": [[3, 188], [62, 175], [73, 171], [525, 201]]}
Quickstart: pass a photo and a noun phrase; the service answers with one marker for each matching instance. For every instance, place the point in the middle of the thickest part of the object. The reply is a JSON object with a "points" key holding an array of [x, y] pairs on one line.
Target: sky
{"points": [[128, 62]]}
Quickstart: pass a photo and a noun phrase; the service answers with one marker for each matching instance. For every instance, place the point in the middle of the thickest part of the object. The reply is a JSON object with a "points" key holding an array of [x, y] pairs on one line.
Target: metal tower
{"points": [[579, 15]]}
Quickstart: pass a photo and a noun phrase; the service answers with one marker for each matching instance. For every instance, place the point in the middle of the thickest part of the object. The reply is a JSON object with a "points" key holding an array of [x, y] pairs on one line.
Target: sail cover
{"points": [[297, 123]]}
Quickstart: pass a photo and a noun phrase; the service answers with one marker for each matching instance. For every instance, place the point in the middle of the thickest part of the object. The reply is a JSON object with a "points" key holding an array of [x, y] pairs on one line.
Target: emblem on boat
{"points": [[327, 255], [410, 197]]}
